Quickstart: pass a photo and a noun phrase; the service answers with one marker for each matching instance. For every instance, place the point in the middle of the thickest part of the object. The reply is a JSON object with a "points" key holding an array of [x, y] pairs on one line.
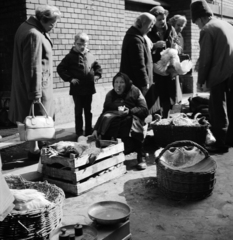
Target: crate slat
{"points": [[80, 188], [78, 162], [77, 175]]}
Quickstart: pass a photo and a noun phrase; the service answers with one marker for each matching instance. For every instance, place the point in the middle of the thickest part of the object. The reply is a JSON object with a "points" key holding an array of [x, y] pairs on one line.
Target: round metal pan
{"points": [[109, 212]]}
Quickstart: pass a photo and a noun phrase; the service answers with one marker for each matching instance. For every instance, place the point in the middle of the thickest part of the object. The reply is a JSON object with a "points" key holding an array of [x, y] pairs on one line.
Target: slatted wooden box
{"points": [[76, 176]]}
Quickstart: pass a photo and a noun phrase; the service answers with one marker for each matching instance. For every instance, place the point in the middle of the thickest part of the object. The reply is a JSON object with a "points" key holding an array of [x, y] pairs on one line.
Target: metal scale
{"points": [[108, 232], [119, 232]]}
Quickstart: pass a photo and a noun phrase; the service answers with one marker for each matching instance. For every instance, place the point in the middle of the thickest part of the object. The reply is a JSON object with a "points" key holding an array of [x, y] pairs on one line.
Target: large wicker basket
{"points": [[36, 224], [192, 183], [166, 134]]}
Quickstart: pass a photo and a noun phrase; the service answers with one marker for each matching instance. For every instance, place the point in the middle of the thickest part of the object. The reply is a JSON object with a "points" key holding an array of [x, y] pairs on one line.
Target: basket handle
{"points": [[24, 226], [181, 144], [181, 114]]}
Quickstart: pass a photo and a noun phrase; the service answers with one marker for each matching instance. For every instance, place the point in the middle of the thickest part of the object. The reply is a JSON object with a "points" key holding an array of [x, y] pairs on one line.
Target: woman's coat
{"points": [[136, 59], [32, 72]]}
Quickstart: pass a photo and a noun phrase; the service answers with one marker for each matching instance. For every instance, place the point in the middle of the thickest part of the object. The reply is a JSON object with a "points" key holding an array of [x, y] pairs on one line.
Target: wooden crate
{"points": [[76, 176]]}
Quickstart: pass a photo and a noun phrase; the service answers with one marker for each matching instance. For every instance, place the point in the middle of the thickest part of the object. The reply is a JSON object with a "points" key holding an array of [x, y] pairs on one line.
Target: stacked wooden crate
{"points": [[76, 175]]}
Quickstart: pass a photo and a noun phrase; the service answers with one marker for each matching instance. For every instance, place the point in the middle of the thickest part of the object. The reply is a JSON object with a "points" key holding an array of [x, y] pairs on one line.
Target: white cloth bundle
{"points": [[29, 199]]}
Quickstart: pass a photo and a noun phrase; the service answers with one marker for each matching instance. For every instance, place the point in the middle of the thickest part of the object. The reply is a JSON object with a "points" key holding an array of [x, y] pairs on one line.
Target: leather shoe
{"points": [[141, 163], [141, 166]]}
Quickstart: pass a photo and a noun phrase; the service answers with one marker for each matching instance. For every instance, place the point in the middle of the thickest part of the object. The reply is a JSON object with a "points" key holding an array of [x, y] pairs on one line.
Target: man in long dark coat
{"points": [[216, 72]]}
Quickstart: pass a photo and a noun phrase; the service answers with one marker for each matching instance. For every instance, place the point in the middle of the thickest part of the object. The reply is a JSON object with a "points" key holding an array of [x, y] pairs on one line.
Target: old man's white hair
{"points": [[144, 19]]}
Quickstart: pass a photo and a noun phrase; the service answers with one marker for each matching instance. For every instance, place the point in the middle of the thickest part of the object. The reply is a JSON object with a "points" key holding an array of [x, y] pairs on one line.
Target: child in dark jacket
{"points": [[80, 68]]}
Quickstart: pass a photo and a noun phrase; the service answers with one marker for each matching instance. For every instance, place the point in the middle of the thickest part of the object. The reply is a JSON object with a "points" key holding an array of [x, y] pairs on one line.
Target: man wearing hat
{"points": [[216, 72]]}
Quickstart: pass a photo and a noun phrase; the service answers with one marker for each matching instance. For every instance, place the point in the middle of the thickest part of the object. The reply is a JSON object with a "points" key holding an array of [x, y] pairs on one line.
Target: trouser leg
{"points": [[166, 106], [218, 112], [129, 145], [141, 156], [78, 115], [88, 114], [229, 137]]}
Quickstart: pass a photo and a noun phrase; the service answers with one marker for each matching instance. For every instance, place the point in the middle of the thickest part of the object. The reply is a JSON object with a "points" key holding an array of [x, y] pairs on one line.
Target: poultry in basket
{"points": [[80, 148], [29, 199], [170, 63]]}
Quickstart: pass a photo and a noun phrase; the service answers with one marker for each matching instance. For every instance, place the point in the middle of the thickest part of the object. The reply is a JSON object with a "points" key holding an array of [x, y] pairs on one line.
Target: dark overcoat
{"points": [[32, 71], [136, 59], [81, 66]]}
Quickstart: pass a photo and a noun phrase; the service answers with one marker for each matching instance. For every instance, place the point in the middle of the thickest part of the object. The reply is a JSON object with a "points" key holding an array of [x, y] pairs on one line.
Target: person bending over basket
{"points": [[123, 116], [215, 71]]}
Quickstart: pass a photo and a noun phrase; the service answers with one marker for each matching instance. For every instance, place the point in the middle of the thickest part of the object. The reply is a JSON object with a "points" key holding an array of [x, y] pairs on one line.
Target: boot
{"points": [[141, 156], [141, 162]]}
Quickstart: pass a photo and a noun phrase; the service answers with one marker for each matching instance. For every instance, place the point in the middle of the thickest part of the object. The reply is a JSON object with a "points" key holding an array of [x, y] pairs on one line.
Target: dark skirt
{"points": [[162, 91]]}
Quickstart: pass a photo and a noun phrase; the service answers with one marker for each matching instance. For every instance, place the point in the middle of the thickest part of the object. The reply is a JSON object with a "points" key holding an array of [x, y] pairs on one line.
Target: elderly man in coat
{"points": [[136, 60], [32, 72], [216, 72]]}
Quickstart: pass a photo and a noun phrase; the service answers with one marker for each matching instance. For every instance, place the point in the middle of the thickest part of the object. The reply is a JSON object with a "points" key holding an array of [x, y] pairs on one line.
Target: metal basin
{"points": [[109, 212]]}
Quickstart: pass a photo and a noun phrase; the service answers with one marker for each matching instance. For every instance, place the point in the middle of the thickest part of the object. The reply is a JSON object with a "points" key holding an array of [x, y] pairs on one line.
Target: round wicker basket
{"points": [[191, 183], [166, 134], [35, 224]]}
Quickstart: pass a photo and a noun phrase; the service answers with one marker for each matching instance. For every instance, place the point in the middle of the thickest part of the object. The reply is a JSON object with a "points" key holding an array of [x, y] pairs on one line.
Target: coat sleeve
{"points": [[97, 69], [32, 65], [109, 104], [205, 58], [62, 69], [137, 59], [140, 110]]}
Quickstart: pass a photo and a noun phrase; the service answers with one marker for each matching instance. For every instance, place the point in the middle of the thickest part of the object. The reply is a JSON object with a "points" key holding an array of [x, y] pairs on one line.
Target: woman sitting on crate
{"points": [[123, 116]]}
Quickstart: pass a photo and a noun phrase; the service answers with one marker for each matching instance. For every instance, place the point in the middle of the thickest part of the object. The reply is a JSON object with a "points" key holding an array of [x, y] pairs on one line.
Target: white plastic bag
{"points": [[210, 139]]}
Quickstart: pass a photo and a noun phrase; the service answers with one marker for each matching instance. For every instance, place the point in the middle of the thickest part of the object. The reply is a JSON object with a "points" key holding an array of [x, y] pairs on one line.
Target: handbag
{"points": [[39, 128]]}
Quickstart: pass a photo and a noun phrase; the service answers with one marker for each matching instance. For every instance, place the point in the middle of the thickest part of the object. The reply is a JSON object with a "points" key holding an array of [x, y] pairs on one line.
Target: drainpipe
{"points": [[221, 7]]}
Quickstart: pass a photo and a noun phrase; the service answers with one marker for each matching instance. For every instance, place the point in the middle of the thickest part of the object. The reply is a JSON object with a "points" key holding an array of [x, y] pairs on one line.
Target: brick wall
{"points": [[132, 10], [102, 20], [195, 32], [106, 22], [226, 3]]}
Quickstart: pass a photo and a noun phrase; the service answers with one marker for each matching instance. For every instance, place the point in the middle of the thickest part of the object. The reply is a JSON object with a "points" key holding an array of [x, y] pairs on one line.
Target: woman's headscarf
{"points": [[128, 82], [128, 85]]}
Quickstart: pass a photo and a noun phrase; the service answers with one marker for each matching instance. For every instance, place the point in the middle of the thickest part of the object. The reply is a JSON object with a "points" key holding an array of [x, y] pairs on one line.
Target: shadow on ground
{"points": [[16, 156]]}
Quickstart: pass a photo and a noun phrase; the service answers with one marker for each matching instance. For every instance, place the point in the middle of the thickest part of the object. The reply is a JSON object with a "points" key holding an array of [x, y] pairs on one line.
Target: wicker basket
{"points": [[36, 224], [166, 134], [191, 183]]}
